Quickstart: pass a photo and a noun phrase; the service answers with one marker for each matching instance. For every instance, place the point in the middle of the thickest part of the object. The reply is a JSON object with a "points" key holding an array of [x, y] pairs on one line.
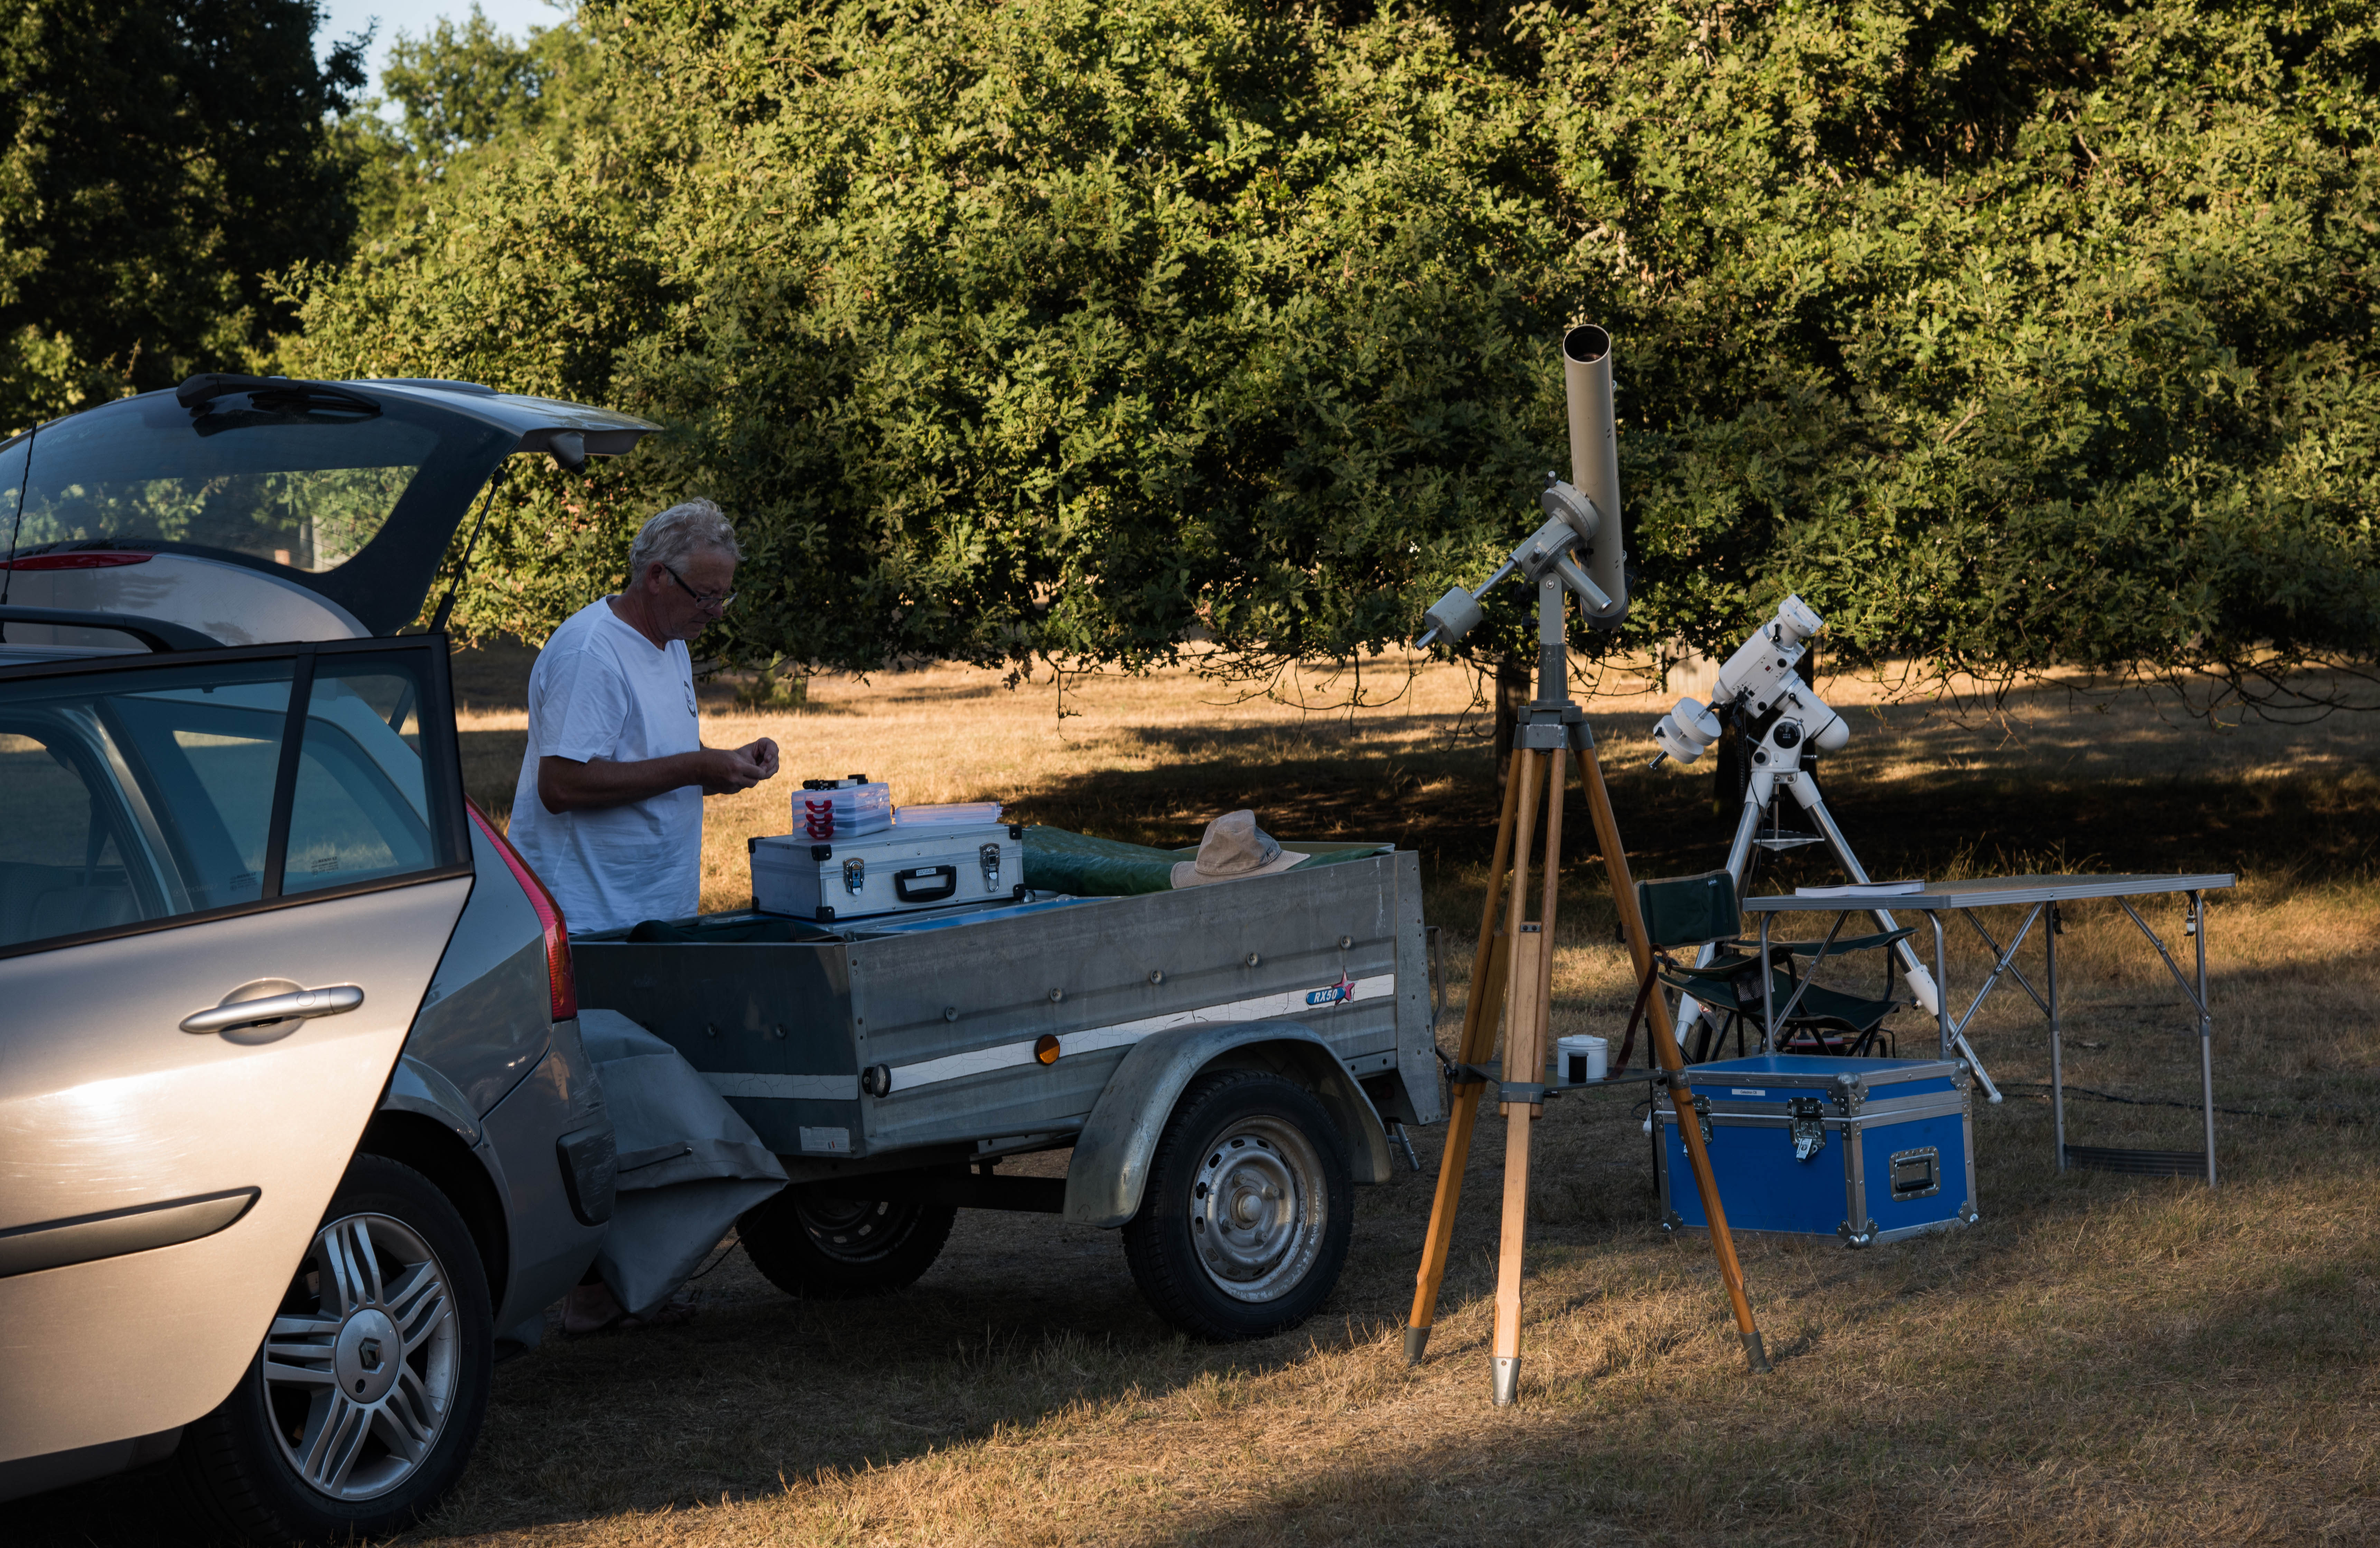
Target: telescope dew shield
{"points": [[1594, 466]]}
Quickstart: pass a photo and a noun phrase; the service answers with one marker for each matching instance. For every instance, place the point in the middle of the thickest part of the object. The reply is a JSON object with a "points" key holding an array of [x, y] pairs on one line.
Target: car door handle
{"points": [[334, 1001]]}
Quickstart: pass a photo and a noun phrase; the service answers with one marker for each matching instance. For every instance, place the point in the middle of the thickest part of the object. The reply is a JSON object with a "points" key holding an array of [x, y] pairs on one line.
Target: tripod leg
{"points": [[1481, 1007], [1758, 794], [1665, 1042], [1921, 986], [1531, 999], [1525, 1026]]}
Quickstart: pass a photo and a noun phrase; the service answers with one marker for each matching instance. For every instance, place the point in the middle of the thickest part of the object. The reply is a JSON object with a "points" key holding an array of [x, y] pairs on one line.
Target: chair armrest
{"points": [[1725, 968]]}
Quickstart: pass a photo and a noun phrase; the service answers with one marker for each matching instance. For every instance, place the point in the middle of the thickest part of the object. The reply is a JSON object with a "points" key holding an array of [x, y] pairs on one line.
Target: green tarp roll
{"points": [[1056, 861]]}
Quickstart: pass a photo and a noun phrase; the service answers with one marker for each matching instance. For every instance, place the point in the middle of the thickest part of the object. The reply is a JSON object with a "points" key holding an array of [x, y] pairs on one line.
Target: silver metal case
{"points": [[894, 871]]}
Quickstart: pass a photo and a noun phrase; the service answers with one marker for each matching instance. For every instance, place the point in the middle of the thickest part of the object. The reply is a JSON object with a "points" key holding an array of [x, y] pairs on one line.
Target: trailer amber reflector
{"points": [[1045, 1048]]}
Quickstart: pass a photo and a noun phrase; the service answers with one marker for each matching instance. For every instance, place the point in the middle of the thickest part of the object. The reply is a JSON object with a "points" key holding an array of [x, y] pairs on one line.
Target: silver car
{"points": [[294, 1118]]}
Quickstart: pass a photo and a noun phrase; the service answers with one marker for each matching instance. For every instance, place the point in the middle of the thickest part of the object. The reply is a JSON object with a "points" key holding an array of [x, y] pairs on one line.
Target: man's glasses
{"points": [[722, 602]]}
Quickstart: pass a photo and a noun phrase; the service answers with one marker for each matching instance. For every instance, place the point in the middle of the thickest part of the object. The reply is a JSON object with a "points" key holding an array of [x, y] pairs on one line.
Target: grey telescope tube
{"points": [[1595, 464]]}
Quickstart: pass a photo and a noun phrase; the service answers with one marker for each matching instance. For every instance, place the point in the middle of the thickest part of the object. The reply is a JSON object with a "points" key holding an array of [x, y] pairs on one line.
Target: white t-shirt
{"points": [[599, 689]]}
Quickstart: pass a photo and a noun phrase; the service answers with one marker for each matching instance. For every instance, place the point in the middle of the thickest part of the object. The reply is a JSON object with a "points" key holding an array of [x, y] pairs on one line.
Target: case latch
{"points": [[855, 876], [1809, 1126], [989, 856], [1702, 1118]]}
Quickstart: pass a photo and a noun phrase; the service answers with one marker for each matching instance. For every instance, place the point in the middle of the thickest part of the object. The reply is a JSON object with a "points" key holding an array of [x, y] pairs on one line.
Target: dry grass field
{"points": [[2103, 1360]]}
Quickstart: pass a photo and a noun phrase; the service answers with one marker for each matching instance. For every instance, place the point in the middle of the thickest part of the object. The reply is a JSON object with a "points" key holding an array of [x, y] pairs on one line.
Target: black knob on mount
{"points": [[1789, 733]]}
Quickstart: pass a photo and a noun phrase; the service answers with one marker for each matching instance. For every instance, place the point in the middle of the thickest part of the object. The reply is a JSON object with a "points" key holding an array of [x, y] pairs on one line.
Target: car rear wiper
{"points": [[200, 391]]}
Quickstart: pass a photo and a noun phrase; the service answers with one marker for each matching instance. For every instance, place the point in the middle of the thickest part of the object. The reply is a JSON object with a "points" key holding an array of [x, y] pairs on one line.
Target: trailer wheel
{"points": [[1244, 1226], [843, 1249]]}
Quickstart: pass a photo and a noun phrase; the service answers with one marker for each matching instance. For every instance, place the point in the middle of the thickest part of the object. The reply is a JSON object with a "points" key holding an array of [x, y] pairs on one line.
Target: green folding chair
{"points": [[1684, 914]]}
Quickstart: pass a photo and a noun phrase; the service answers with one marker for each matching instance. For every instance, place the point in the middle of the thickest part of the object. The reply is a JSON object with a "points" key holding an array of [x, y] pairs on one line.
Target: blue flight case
{"points": [[1867, 1150]]}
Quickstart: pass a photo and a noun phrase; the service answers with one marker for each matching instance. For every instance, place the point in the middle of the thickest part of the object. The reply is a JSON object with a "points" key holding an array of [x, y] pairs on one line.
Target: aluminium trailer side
{"points": [[1269, 1025]]}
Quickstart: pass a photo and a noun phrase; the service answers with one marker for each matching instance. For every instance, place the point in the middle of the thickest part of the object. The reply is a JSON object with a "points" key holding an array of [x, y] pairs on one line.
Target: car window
{"points": [[12, 482], [143, 794], [360, 811], [62, 850], [136, 795], [207, 753]]}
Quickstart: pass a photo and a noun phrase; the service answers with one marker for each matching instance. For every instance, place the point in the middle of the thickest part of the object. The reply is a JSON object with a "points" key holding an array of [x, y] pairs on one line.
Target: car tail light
{"points": [[559, 981], [94, 558]]}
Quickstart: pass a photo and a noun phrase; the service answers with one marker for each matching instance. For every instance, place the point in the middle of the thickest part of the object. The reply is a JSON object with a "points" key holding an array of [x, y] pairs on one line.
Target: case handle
{"points": [[926, 884]]}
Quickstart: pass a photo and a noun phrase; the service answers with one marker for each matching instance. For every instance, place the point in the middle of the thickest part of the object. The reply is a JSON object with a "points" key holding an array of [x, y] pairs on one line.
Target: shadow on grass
{"points": [[2309, 827]]}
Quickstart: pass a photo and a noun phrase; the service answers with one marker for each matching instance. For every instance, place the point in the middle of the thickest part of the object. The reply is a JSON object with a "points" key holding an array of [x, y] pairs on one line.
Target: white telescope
{"points": [[1756, 680], [1781, 720]]}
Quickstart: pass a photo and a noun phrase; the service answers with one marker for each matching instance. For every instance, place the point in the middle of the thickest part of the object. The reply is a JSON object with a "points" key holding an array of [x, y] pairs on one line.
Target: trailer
{"points": [[1225, 1063]]}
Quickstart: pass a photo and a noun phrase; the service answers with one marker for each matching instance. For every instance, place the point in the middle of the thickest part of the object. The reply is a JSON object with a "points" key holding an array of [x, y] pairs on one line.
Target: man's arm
{"points": [[567, 785]]}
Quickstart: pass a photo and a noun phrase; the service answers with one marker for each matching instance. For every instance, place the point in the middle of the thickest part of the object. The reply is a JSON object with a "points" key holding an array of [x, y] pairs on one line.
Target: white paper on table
{"points": [[1862, 889]]}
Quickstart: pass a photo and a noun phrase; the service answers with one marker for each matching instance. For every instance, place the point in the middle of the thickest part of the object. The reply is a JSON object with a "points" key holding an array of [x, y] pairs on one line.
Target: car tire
{"points": [[1244, 1226], [843, 1249], [291, 1455]]}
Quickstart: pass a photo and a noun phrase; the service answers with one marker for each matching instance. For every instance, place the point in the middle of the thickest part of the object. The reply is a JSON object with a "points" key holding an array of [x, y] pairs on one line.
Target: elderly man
{"points": [[608, 809]]}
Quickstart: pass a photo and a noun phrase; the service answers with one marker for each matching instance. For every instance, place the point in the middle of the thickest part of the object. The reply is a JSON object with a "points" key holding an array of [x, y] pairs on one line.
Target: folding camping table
{"points": [[2043, 893]]}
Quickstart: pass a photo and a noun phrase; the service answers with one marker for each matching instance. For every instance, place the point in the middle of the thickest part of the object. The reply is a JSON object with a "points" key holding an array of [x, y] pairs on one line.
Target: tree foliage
{"points": [[463, 92], [158, 158], [2008, 335]]}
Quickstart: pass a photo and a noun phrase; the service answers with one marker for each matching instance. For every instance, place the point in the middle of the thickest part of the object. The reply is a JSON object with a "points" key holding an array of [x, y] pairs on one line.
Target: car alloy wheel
{"points": [[361, 1382]]}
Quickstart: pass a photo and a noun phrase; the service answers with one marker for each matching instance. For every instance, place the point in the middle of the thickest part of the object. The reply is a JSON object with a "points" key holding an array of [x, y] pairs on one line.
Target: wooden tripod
{"points": [[1513, 971]]}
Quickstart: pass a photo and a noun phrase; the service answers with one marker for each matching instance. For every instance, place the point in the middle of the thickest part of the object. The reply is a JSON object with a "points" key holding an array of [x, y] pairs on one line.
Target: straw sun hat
{"points": [[1233, 846]]}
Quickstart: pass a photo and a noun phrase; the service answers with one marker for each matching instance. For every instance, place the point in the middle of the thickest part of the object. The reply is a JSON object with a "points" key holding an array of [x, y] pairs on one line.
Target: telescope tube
{"points": [[1594, 464]]}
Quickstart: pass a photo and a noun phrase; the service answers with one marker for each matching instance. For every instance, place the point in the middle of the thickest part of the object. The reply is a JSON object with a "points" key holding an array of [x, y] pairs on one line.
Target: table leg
{"points": [[2056, 1066], [2205, 1029], [1941, 981], [1768, 1000]]}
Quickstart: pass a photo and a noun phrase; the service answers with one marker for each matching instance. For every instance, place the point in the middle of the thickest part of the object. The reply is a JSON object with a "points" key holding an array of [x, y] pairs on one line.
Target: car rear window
{"points": [[299, 485]]}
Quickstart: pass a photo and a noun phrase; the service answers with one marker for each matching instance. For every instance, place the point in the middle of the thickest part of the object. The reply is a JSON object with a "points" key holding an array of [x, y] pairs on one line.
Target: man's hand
{"points": [[733, 769], [566, 785]]}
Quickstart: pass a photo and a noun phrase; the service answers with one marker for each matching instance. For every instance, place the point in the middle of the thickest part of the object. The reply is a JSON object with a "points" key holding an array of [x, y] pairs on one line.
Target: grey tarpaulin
{"points": [[688, 1165]]}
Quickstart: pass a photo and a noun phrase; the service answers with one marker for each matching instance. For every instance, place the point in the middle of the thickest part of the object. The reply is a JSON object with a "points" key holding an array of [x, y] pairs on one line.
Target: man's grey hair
{"points": [[668, 538]]}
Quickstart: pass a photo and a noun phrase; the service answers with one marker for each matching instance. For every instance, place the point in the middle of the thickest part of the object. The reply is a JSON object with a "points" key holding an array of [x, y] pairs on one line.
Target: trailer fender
{"points": [[1112, 1152]]}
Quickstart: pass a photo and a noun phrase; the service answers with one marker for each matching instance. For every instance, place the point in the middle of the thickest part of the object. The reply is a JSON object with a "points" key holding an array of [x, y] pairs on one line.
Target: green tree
{"points": [[465, 93], [158, 158], [2010, 336]]}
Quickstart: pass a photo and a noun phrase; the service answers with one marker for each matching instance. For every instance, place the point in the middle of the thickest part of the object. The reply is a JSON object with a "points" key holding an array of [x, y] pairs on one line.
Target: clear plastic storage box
{"points": [[832, 808]]}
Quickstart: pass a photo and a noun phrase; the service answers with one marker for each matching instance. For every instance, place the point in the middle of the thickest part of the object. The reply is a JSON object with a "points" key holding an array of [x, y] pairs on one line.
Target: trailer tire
{"points": [[843, 1249], [1244, 1228]]}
